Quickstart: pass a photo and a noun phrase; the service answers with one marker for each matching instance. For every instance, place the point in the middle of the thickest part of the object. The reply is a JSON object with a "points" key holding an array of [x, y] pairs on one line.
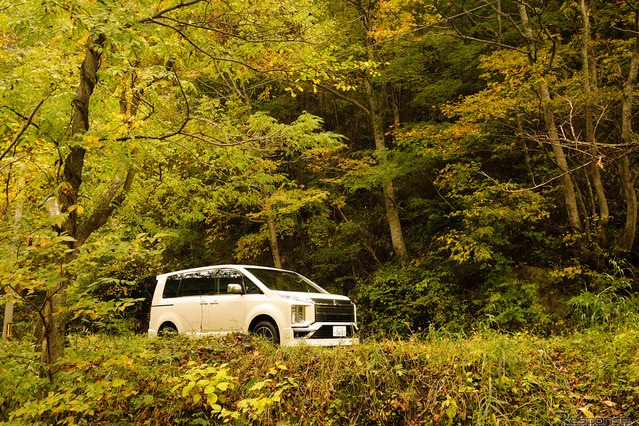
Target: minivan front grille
{"points": [[334, 310]]}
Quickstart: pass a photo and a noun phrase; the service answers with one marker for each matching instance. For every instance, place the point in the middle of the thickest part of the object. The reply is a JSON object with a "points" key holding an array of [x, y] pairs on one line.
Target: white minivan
{"points": [[283, 306]]}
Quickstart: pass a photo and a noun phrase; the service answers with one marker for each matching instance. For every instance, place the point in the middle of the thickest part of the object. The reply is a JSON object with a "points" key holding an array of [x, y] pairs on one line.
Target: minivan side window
{"points": [[191, 286], [210, 283], [188, 285], [224, 277], [250, 287], [171, 287]]}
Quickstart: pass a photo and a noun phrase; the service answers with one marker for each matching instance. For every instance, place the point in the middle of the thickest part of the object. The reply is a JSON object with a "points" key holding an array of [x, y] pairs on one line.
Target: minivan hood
{"points": [[309, 297]]}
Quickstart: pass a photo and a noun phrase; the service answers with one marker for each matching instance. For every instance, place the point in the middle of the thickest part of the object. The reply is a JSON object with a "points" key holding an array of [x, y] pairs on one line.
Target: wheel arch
{"points": [[168, 324], [263, 317]]}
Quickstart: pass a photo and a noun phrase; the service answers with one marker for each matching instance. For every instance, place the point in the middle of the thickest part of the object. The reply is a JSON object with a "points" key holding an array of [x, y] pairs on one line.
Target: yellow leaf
{"points": [[587, 412]]}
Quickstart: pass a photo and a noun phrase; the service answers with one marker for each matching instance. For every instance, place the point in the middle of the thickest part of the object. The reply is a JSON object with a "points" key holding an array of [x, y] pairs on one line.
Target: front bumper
{"points": [[319, 334]]}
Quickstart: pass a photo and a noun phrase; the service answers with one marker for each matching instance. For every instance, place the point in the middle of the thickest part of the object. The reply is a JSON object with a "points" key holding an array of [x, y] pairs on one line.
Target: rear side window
{"points": [[192, 286], [183, 285], [171, 287]]}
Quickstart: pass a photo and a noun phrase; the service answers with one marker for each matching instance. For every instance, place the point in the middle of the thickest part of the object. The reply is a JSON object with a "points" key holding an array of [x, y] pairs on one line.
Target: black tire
{"points": [[167, 330], [268, 330]]}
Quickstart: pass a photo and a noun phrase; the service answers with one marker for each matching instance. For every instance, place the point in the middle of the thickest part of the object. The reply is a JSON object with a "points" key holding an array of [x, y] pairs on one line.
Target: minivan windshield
{"points": [[284, 280]]}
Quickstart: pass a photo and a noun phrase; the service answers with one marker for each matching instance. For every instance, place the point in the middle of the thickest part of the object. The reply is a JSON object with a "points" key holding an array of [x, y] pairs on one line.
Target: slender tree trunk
{"points": [[272, 232], [570, 198], [590, 83], [395, 106], [52, 344], [626, 241], [390, 202], [377, 123], [520, 130], [7, 322], [628, 178]]}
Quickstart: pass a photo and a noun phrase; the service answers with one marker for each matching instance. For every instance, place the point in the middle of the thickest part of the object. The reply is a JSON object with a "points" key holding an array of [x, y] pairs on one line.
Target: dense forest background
{"points": [[465, 170], [447, 164]]}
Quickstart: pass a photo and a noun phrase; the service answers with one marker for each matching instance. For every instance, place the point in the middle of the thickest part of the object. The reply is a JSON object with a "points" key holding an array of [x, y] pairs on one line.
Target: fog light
{"points": [[298, 314]]}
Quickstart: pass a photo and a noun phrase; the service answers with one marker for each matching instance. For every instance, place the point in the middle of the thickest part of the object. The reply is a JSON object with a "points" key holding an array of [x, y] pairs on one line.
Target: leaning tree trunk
{"points": [[570, 198], [53, 320], [53, 323]]}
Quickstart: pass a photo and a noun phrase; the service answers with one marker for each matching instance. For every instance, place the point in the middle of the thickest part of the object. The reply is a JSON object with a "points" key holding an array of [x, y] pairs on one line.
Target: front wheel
{"points": [[268, 330]]}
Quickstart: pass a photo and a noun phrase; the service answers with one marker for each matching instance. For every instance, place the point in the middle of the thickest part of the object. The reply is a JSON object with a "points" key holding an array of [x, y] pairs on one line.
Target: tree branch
{"points": [[204, 52], [16, 139], [111, 198], [161, 13], [345, 98]]}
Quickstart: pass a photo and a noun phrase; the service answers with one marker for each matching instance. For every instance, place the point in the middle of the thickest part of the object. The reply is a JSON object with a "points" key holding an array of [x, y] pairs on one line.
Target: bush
{"points": [[510, 304], [404, 299]]}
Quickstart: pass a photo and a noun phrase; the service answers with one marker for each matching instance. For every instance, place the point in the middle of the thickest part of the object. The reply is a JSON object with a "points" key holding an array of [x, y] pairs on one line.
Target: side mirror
{"points": [[234, 289]]}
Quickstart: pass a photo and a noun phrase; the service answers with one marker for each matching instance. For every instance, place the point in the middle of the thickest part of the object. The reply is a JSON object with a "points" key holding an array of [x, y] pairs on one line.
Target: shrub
{"points": [[510, 304], [403, 299]]}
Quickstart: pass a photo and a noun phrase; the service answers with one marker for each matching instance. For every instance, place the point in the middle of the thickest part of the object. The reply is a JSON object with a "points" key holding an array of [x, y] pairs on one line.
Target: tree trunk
{"points": [[52, 336], [570, 198], [626, 241], [377, 123], [7, 321], [390, 202], [566, 182], [590, 82], [52, 344], [272, 232], [395, 95]]}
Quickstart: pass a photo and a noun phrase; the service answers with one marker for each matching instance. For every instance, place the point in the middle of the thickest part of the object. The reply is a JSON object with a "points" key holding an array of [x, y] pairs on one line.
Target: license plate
{"points": [[339, 331]]}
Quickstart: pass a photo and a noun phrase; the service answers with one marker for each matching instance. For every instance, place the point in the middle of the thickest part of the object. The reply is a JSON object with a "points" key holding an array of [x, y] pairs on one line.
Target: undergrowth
{"points": [[486, 378]]}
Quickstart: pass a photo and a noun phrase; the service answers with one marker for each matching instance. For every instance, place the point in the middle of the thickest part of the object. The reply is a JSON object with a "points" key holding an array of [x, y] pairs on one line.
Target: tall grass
{"points": [[484, 378]]}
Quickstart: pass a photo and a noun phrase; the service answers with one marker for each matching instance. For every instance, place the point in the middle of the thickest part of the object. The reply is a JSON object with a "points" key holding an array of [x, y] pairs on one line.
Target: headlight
{"points": [[298, 314]]}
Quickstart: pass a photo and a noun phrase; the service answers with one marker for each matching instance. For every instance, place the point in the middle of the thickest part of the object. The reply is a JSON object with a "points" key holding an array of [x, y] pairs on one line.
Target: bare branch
{"points": [[204, 52], [264, 38], [16, 139], [514, 191], [161, 13], [344, 98]]}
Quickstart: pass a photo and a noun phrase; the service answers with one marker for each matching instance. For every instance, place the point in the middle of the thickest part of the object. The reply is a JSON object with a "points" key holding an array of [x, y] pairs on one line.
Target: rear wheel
{"points": [[268, 330], [167, 330]]}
